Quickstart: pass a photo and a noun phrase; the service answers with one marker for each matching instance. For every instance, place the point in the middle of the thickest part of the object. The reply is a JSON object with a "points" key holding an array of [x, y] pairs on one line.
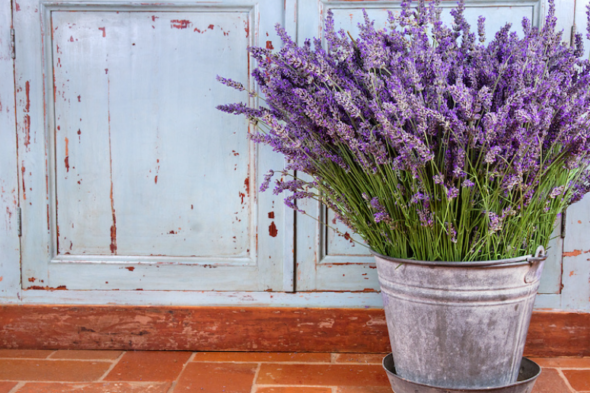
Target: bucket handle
{"points": [[535, 263]]}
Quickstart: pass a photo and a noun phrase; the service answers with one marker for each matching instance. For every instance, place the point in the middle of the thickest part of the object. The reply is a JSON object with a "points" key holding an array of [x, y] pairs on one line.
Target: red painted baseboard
{"points": [[244, 329]]}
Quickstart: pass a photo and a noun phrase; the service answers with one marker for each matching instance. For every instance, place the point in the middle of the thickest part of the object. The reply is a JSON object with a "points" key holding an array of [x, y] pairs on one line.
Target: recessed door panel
{"points": [[131, 179], [327, 260]]}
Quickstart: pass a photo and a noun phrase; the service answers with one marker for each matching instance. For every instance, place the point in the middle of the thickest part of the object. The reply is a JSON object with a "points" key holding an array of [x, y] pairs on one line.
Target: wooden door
{"points": [[130, 178], [327, 261]]}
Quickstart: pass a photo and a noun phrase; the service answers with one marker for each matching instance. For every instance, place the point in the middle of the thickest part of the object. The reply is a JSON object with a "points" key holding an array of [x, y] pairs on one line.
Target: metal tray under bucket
{"points": [[529, 371]]}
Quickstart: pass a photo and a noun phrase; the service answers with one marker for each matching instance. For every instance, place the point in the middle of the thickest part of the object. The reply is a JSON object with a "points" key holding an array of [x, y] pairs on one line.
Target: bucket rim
{"points": [[539, 256]]}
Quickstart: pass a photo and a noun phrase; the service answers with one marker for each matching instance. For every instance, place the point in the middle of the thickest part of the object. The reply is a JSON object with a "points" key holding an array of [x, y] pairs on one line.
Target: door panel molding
{"points": [[67, 228]]}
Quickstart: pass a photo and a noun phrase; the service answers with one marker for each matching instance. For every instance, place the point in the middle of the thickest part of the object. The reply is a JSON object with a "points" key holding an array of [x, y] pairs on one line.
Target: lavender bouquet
{"points": [[425, 141]]}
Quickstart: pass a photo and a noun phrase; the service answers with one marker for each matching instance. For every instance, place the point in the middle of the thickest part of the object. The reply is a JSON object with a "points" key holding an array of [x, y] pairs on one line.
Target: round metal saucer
{"points": [[529, 371]]}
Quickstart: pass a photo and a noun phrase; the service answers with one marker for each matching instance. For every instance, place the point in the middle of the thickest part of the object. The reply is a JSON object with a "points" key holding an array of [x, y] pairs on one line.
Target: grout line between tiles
{"points": [[567, 382], [266, 385], [175, 382], [254, 385], [115, 362], [17, 387], [295, 362], [63, 360]]}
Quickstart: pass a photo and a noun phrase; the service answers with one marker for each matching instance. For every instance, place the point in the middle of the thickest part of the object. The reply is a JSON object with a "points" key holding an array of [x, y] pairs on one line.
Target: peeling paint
{"points": [[272, 230], [104, 31], [574, 253], [269, 45], [271, 215], [23, 179], [180, 24], [67, 159], [130, 268], [27, 125], [247, 185], [28, 99]]}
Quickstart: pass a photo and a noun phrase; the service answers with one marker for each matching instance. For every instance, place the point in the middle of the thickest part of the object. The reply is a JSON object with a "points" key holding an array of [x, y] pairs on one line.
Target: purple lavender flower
{"points": [[392, 124]]}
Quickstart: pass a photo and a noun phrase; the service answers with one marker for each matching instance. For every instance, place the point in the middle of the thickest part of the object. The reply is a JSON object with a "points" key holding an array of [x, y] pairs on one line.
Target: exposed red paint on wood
{"points": [[27, 125], [247, 185], [113, 245], [23, 180], [46, 288], [17, 6], [28, 99], [210, 27], [71, 39], [244, 329], [271, 215], [269, 45], [104, 31], [554, 333], [67, 159], [574, 253], [154, 18], [156, 179], [272, 230], [130, 268], [247, 28], [180, 23], [79, 99], [242, 196]]}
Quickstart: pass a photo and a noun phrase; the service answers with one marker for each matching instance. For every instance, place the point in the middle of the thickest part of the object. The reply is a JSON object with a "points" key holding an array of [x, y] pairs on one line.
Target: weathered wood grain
{"points": [[243, 329]]}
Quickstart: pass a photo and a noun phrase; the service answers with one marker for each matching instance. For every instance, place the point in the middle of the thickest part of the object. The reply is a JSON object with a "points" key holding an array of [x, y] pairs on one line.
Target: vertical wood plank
{"points": [[9, 241]]}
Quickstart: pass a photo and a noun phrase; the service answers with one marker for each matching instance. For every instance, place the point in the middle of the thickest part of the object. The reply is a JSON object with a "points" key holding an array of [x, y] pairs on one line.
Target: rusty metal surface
{"points": [[459, 325]]}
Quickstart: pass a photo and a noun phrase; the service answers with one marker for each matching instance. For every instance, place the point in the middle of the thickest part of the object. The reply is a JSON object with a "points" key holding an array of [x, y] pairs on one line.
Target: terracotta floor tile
{"points": [[25, 353], [579, 379], [550, 382], [5, 387], [369, 358], [364, 389], [293, 389], [563, 362], [86, 355], [262, 357], [323, 375], [96, 387], [149, 366], [216, 378], [51, 370]]}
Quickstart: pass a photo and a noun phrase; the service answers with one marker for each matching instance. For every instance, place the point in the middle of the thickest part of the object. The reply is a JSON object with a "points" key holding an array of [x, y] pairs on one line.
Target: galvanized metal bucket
{"points": [[528, 373], [459, 324]]}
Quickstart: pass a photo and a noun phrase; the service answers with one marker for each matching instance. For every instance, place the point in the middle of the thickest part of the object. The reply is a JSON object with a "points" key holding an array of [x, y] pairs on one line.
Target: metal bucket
{"points": [[528, 373], [459, 324]]}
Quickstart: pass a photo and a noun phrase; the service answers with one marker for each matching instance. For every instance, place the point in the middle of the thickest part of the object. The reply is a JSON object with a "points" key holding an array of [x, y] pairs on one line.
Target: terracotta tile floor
{"points": [[36, 371]]}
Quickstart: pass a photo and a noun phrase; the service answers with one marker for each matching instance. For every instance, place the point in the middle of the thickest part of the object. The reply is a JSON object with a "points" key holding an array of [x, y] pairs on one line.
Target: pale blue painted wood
{"points": [[148, 186], [9, 241], [328, 260]]}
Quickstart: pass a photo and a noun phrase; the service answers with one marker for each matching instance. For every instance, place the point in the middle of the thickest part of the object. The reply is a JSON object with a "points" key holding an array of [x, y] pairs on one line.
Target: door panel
{"points": [[327, 261], [131, 179]]}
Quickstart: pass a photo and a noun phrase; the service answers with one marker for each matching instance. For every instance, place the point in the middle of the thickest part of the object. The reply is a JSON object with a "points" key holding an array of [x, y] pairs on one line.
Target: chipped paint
{"points": [[113, 245], [104, 31], [27, 97], [180, 24], [272, 230], [269, 45], [130, 268], [574, 253], [271, 215], [67, 159]]}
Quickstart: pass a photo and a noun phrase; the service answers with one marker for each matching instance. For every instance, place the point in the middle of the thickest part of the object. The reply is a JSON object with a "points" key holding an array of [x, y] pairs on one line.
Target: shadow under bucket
{"points": [[528, 373]]}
